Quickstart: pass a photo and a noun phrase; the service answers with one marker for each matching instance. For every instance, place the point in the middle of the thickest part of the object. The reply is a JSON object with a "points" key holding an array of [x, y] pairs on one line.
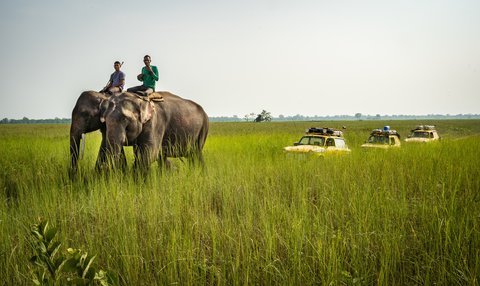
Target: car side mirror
{"points": [[295, 144]]}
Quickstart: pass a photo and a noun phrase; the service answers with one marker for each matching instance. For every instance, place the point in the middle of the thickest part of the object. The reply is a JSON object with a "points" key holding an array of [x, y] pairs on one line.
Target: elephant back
{"points": [[185, 121]]}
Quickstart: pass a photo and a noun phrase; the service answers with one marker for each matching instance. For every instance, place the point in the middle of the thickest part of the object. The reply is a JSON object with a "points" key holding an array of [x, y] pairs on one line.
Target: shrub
{"points": [[54, 268]]}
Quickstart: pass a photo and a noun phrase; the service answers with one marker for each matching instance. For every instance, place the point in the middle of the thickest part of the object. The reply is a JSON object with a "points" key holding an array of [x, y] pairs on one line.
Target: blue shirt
{"points": [[116, 78]]}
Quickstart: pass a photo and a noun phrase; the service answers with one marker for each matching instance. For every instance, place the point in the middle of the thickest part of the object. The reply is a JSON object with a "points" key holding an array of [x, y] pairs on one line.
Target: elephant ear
{"points": [[146, 112]]}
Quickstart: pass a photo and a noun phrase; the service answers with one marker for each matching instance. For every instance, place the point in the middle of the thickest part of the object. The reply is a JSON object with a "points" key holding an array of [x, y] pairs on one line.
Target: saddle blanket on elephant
{"points": [[155, 96]]}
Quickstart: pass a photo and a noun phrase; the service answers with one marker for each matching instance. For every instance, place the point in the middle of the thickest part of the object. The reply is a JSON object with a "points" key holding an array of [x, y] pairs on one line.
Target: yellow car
{"points": [[386, 138], [423, 133], [320, 141]]}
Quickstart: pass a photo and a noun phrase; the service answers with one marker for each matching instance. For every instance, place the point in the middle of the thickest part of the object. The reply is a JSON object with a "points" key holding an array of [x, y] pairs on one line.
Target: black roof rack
{"points": [[383, 132], [324, 131], [424, 127]]}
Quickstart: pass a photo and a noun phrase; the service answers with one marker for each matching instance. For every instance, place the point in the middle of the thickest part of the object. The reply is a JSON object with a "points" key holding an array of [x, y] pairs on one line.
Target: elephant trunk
{"points": [[115, 142], [76, 131], [74, 154]]}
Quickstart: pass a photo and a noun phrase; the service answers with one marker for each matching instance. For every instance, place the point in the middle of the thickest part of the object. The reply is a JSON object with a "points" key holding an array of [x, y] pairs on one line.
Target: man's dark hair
{"points": [[147, 56], [117, 62]]}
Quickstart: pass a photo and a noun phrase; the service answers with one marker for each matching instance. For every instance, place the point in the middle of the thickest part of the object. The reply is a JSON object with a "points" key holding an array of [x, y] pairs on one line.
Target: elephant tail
{"points": [[202, 136]]}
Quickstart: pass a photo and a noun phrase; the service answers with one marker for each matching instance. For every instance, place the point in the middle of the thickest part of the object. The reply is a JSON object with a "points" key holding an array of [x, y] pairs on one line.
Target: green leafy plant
{"points": [[53, 268]]}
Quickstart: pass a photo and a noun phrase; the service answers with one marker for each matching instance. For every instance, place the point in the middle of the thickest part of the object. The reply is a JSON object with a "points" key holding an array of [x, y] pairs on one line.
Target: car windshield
{"points": [[311, 140], [378, 139], [420, 134]]}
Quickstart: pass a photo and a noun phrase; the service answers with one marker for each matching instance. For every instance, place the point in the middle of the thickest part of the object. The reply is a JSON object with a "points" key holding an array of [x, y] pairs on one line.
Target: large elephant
{"points": [[85, 119], [172, 127]]}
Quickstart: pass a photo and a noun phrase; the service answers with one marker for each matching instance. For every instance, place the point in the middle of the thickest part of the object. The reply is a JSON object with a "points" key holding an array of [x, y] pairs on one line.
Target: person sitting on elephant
{"points": [[148, 76], [117, 80]]}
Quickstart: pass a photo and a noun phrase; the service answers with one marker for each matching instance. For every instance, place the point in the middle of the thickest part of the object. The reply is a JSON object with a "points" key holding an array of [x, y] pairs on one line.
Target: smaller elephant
{"points": [[173, 127], [85, 119]]}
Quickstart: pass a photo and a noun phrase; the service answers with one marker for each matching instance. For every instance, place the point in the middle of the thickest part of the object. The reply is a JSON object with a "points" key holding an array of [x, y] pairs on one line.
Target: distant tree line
{"points": [[266, 116], [25, 120], [358, 116]]}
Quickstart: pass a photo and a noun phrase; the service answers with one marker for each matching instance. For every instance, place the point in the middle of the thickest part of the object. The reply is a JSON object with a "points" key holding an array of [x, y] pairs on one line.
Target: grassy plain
{"points": [[255, 216]]}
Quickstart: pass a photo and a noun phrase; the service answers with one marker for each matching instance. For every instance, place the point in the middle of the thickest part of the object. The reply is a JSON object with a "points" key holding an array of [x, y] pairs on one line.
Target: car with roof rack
{"points": [[319, 141], [383, 138], [423, 133]]}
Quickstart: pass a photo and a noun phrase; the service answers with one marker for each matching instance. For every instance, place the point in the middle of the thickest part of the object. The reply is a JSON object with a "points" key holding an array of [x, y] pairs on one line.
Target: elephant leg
{"points": [[168, 164], [144, 156], [137, 155], [116, 161], [162, 159], [195, 157], [102, 153], [199, 158], [103, 156], [164, 164], [123, 160], [201, 161]]}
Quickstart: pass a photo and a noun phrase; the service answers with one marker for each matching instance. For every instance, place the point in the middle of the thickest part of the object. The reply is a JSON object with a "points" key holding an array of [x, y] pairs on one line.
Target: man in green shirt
{"points": [[148, 76]]}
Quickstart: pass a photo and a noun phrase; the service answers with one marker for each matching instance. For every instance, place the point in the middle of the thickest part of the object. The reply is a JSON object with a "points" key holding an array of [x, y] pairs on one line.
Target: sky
{"points": [[308, 57]]}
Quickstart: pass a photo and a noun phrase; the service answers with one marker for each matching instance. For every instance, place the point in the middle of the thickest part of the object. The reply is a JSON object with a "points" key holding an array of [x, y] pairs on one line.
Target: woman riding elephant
{"points": [[174, 127]]}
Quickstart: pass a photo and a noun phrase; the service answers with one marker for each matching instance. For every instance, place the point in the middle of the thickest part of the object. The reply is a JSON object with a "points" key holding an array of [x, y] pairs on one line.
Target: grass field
{"points": [[255, 216]]}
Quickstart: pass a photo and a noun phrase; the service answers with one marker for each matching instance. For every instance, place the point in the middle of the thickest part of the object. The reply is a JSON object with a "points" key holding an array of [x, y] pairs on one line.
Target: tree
{"points": [[249, 116], [358, 115], [264, 116]]}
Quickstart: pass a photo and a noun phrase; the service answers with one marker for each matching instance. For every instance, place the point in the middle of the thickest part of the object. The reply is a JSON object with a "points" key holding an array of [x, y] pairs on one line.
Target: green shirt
{"points": [[149, 79]]}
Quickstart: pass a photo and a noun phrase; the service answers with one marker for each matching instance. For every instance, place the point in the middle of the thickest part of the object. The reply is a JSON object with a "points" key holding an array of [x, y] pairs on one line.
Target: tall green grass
{"points": [[254, 215]]}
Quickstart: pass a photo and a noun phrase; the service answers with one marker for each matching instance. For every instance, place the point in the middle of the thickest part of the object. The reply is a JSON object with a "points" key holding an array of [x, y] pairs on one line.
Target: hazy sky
{"points": [[236, 57]]}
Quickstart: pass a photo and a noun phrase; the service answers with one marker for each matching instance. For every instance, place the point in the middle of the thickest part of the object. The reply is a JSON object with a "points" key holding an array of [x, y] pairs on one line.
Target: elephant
{"points": [[172, 127], [85, 119]]}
